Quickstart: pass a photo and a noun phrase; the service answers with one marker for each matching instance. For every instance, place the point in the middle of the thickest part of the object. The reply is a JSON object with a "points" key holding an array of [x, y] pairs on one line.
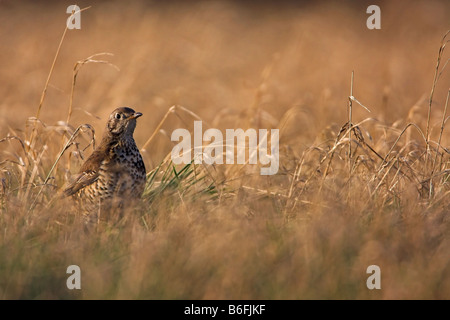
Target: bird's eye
{"points": [[118, 116]]}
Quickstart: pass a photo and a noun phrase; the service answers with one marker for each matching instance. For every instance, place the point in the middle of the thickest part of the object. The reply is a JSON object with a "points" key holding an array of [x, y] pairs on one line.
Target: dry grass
{"points": [[224, 231]]}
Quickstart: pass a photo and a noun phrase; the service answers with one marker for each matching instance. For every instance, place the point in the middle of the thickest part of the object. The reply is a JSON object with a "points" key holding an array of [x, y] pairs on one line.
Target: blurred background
{"points": [[308, 232], [220, 58]]}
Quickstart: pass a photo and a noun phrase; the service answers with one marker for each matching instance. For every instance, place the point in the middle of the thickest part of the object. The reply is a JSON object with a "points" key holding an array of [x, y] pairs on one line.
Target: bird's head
{"points": [[122, 121]]}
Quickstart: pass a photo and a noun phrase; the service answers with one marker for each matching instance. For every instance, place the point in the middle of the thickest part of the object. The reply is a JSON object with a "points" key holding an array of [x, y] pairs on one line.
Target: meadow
{"points": [[364, 149]]}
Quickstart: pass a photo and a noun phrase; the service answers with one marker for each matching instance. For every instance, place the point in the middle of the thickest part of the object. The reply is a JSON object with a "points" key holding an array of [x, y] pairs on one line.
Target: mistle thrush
{"points": [[115, 169]]}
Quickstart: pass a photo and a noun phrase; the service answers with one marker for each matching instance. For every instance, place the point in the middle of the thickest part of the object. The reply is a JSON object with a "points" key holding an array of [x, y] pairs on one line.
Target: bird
{"points": [[115, 169]]}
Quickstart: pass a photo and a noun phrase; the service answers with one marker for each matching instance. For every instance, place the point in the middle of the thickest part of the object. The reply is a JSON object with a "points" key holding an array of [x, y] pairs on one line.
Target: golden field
{"points": [[224, 231]]}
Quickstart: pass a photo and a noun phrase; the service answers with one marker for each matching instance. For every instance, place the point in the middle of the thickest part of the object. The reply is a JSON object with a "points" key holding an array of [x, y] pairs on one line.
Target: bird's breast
{"points": [[128, 164]]}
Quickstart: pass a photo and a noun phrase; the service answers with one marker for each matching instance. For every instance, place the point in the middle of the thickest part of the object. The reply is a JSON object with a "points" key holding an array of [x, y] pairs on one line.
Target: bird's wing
{"points": [[89, 173], [83, 180]]}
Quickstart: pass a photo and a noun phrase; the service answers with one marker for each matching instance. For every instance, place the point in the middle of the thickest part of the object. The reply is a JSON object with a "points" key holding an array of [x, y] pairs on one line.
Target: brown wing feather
{"points": [[89, 173], [83, 180]]}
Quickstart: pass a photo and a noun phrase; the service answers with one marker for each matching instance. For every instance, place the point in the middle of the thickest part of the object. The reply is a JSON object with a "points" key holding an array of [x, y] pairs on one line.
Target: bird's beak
{"points": [[135, 115]]}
